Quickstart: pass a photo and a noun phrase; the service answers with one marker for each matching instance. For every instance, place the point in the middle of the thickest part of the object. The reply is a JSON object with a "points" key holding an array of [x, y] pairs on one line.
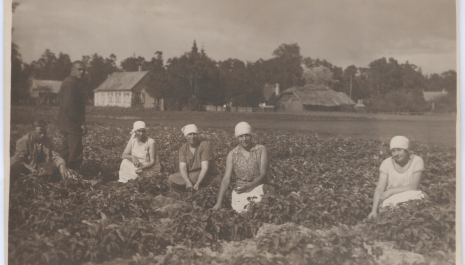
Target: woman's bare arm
{"points": [[380, 187], [224, 182]]}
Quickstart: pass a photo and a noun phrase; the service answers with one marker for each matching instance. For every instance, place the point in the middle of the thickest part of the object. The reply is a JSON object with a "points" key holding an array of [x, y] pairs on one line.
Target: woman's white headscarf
{"points": [[190, 128], [400, 142], [137, 125], [242, 128]]}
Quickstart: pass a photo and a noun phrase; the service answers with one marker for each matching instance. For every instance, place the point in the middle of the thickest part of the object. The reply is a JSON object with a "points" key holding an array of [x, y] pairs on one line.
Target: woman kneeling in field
{"points": [[250, 164], [399, 178], [139, 156], [196, 164]]}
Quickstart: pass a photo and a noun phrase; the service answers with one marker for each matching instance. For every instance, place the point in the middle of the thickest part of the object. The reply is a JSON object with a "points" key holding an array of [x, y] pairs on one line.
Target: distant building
{"points": [[312, 97], [430, 96], [45, 91], [270, 91], [125, 89], [360, 107]]}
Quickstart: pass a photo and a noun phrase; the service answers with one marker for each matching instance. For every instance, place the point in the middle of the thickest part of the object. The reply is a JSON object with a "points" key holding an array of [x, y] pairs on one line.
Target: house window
{"points": [[127, 98], [110, 98], [142, 98], [102, 98], [118, 96]]}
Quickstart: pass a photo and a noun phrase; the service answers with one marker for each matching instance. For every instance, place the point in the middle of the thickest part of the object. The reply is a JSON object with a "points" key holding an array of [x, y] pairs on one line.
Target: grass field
{"points": [[430, 129], [324, 168]]}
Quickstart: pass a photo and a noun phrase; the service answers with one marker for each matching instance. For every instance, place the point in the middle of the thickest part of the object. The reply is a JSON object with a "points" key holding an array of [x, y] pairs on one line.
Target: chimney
{"points": [[140, 68], [277, 89]]}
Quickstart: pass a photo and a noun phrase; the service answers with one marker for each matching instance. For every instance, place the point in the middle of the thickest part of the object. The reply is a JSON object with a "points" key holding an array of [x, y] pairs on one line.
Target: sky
{"points": [[349, 32]]}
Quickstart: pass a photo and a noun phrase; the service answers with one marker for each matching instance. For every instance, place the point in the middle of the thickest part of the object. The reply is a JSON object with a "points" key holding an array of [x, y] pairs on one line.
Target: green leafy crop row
{"points": [[320, 183]]}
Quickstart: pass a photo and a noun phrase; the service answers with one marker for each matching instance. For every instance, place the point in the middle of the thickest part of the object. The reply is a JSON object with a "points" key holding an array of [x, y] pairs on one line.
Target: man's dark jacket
{"points": [[72, 106]]}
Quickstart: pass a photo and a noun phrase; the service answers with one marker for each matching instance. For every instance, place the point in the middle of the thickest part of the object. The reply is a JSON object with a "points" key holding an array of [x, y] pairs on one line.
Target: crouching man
{"points": [[36, 154]]}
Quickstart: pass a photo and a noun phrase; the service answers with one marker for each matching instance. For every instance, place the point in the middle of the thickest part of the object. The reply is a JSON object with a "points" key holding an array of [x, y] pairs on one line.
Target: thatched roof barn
{"points": [[312, 97]]}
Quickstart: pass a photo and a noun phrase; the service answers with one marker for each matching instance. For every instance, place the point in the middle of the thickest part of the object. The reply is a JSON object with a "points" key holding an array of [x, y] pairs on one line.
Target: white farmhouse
{"points": [[124, 89]]}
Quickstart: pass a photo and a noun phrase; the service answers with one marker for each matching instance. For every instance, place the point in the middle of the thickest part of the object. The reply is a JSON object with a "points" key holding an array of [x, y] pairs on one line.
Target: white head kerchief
{"points": [[242, 128], [138, 125], [190, 128], [400, 142]]}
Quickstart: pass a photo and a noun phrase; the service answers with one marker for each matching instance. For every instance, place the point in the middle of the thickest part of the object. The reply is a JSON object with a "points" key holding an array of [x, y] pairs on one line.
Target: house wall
{"points": [[113, 98], [147, 101]]}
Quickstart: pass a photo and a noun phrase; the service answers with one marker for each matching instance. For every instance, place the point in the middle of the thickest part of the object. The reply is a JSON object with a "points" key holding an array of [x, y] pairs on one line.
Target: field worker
{"points": [[399, 177], [35, 152], [249, 161], [196, 164], [140, 155], [72, 116]]}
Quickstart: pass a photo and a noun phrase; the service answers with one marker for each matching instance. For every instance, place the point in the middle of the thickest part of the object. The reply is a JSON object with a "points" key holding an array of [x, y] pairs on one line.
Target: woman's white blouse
{"points": [[141, 150], [396, 179]]}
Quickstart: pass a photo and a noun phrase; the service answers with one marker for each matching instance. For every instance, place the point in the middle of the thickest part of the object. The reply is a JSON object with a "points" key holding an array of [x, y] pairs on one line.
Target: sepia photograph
{"points": [[232, 132]]}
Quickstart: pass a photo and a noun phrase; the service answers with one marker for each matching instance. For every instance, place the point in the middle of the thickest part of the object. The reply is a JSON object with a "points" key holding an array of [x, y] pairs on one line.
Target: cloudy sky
{"points": [[348, 32]]}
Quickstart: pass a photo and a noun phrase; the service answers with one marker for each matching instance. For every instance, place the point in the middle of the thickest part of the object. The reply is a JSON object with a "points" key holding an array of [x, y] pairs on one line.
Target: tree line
{"points": [[194, 79]]}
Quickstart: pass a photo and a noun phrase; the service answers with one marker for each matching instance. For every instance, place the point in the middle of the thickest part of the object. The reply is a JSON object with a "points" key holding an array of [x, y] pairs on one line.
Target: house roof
{"points": [[53, 85], [431, 95], [319, 95], [269, 91], [121, 81]]}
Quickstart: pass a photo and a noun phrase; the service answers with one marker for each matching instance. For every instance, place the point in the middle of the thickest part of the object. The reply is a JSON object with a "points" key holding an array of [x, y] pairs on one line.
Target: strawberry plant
{"points": [[320, 183]]}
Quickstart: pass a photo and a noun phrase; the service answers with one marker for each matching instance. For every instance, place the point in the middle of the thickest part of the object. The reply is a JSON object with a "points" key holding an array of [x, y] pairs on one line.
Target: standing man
{"points": [[72, 116]]}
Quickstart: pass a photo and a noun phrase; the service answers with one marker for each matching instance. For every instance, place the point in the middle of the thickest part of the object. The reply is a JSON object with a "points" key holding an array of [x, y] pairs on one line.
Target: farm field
{"points": [[429, 129], [324, 167]]}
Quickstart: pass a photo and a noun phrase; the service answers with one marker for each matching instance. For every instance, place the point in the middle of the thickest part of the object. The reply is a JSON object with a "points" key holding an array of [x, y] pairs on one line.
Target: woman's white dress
{"points": [[396, 179], [140, 150]]}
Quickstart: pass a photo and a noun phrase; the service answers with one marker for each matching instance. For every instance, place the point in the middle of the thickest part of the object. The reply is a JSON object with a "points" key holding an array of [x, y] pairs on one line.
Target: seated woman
{"points": [[139, 156], [399, 177], [249, 161], [196, 164]]}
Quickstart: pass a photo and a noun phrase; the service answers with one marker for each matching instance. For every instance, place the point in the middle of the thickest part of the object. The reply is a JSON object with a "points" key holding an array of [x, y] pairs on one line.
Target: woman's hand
{"points": [[136, 162], [216, 207], [139, 170], [196, 186], [242, 188], [373, 215], [189, 186]]}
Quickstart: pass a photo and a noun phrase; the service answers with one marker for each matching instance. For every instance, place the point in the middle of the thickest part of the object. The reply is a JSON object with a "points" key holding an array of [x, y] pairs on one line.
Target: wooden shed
{"points": [[45, 91]]}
